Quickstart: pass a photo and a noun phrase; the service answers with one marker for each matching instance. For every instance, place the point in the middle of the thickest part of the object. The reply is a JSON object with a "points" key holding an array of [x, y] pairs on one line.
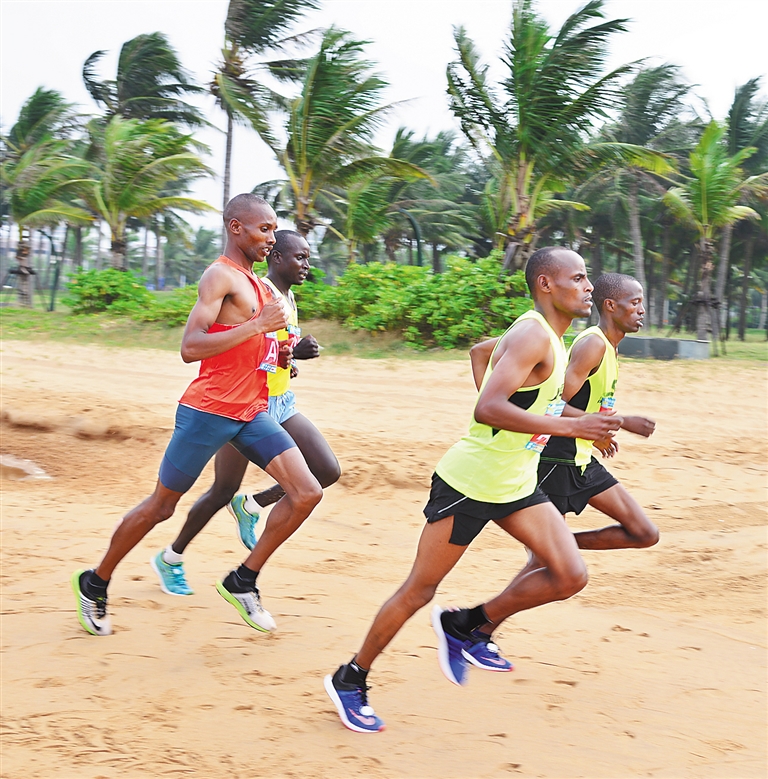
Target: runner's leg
{"points": [[302, 494], [542, 530], [321, 460], [229, 468], [135, 525], [435, 557], [634, 531]]}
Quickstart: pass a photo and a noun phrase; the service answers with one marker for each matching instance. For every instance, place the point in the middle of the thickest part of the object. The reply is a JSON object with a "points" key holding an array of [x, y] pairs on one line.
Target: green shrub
{"points": [[171, 308], [115, 291]]}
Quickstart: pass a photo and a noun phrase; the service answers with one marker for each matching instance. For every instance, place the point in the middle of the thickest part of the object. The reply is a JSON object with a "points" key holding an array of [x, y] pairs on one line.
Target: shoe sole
{"points": [[342, 712], [85, 624], [443, 653], [468, 657], [162, 582], [229, 598], [237, 522]]}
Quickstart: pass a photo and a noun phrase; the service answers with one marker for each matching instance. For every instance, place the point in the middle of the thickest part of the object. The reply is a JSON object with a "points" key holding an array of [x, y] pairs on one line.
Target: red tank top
{"points": [[230, 384]]}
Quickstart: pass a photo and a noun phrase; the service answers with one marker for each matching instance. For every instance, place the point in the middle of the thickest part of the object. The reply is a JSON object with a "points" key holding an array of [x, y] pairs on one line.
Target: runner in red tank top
{"points": [[225, 404]]}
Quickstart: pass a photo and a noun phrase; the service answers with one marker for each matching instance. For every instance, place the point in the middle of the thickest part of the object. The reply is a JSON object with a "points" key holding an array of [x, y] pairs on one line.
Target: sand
{"points": [[657, 669]]}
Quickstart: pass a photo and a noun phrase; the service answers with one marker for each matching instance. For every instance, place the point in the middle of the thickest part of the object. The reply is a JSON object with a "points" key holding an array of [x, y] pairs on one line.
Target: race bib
{"points": [[607, 403], [269, 363], [539, 441]]}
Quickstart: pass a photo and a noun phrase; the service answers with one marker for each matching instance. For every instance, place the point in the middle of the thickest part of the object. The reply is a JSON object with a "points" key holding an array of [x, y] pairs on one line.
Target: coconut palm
{"points": [[137, 162], [708, 201], [650, 110], [38, 170], [252, 29], [329, 131], [150, 83], [531, 128], [747, 128]]}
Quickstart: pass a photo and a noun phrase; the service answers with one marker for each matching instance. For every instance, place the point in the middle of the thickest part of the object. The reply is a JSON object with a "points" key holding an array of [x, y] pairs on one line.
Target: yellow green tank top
{"points": [[499, 466], [279, 382], [598, 391]]}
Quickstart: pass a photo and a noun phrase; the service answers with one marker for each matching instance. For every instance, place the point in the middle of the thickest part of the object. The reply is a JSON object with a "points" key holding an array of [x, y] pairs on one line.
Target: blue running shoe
{"points": [[172, 578], [483, 653], [449, 654], [246, 522], [91, 612], [352, 704]]}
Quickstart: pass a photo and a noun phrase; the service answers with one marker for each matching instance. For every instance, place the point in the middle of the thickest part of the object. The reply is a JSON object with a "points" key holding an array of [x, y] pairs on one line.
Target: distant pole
{"points": [[417, 235]]}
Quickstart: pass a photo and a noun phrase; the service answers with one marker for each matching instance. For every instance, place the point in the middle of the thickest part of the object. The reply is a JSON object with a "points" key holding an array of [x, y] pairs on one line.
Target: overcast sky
{"points": [[718, 43]]}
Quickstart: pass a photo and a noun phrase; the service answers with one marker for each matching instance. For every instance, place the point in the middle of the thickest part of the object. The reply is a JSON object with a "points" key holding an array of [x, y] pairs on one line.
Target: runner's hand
{"points": [[272, 317], [593, 427], [639, 425], [607, 446], [284, 354], [307, 348]]}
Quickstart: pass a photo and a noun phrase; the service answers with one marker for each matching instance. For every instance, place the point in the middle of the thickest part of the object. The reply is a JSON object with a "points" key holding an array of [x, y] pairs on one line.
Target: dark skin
{"points": [[286, 269], [634, 530], [524, 358], [227, 297]]}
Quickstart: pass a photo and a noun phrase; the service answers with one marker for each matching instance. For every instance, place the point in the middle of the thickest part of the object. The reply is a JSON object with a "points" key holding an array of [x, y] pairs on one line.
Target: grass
{"points": [[105, 330]]}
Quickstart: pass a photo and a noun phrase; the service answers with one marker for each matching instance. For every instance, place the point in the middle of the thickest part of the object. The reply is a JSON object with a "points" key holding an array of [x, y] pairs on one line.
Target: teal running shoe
{"points": [[246, 522], [172, 578]]}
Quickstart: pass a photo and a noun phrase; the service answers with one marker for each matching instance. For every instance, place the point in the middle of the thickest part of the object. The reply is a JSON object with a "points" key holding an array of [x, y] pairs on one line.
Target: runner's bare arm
{"points": [[479, 357], [198, 344], [584, 360], [639, 425], [518, 355]]}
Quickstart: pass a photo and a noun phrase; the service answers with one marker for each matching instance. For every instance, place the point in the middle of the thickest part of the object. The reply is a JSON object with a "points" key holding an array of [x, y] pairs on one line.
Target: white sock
{"points": [[171, 557], [251, 506]]}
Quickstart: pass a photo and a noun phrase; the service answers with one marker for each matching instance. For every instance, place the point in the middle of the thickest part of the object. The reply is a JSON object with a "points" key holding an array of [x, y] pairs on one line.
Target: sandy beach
{"points": [[657, 669]]}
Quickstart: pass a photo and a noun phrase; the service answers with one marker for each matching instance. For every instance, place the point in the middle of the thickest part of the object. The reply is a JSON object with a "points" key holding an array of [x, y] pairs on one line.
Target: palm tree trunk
{"points": [[596, 269], [145, 253], [159, 269], [704, 294], [634, 229], [78, 248], [436, 263], [661, 292], [227, 174], [748, 246], [97, 261], [23, 269], [722, 272]]}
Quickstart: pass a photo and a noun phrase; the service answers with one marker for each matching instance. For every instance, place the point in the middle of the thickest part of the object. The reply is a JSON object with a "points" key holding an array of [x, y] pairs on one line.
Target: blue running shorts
{"points": [[198, 435], [282, 407]]}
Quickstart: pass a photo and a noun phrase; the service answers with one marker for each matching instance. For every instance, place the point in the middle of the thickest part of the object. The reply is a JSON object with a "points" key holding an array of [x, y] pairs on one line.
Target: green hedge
{"points": [[470, 300]]}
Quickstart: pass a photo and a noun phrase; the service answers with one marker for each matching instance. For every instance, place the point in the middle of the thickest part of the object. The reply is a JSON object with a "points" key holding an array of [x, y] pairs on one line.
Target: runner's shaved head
{"points": [[609, 286], [283, 241], [542, 261], [240, 206]]}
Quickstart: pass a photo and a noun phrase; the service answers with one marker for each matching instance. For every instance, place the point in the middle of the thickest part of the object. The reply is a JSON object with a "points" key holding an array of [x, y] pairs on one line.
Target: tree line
{"points": [[617, 165]]}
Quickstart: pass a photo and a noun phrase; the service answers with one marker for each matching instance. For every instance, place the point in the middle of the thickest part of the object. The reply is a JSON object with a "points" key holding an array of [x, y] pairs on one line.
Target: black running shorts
{"points": [[570, 489], [470, 516]]}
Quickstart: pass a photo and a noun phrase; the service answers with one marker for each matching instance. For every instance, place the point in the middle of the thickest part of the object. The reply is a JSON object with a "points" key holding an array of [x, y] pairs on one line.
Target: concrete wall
{"points": [[664, 348]]}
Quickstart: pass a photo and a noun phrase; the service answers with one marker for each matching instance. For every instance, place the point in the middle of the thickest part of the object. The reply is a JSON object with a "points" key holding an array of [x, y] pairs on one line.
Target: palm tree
{"points": [[329, 130], [38, 169], [253, 28], [137, 163], [651, 105], [709, 201], [150, 83], [531, 128], [747, 128]]}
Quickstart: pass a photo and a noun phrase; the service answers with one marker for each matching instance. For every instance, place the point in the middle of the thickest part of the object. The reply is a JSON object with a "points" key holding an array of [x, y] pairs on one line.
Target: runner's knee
{"points": [[328, 473], [647, 535], [571, 580]]}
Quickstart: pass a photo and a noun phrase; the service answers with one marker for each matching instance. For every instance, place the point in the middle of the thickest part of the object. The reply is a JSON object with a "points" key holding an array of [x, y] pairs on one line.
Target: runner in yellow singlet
{"points": [[288, 265], [490, 475]]}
